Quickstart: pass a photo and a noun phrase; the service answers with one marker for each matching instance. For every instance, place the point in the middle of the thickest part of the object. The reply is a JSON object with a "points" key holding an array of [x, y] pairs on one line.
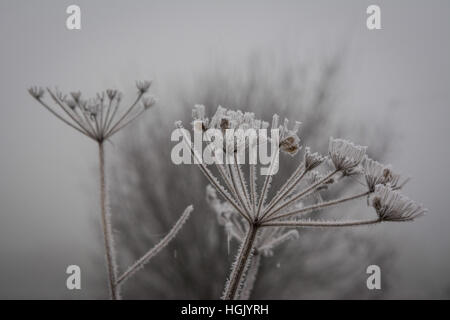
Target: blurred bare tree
{"points": [[149, 192]]}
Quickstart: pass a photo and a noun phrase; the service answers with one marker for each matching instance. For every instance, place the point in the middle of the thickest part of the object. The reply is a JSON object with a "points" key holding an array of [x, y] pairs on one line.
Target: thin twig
{"points": [[157, 248]]}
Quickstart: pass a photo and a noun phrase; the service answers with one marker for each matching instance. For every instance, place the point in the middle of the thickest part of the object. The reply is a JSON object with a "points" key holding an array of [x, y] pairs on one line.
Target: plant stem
{"points": [[106, 228], [318, 206], [250, 279], [241, 263]]}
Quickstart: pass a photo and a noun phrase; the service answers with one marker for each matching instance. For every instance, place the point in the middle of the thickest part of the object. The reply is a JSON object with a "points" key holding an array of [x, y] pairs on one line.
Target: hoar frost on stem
{"points": [[99, 118], [261, 224]]}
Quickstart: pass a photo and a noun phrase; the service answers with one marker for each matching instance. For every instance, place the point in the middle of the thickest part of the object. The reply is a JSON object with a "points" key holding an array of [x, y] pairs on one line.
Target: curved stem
{"points": [[319, 206], [243, 184], [238, 192], [123, 125], [108, 133], [266, 185], [157, 248], [211, 179], [321, 224], [252, 182], [107, 229], [301, 194], [283, 194], [63, 119], [240, 265]]}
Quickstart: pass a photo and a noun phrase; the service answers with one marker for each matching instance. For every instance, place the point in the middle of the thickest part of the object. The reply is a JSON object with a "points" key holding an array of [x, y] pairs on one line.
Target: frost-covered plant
{"points": [[260, 225], [99, 118]]}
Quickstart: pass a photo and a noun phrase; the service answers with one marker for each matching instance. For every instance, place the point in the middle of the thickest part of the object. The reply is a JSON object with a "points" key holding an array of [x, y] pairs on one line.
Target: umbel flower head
{"points": [[390, 205], [100, 117], [261, 223], [289, 140], [312, 160], [224, 119], [227, 119], [345, 154], [376, 173]]}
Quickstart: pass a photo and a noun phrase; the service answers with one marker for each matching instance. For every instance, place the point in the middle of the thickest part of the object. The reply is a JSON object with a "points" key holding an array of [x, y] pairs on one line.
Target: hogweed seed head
{"points": [[143, 86], [289, 140], [344, 154], [92, 117], [36, 92], [72, 104], [76, 95], [148, 102], [312, 160], [111, 93], [376, 173], [390, 205]]}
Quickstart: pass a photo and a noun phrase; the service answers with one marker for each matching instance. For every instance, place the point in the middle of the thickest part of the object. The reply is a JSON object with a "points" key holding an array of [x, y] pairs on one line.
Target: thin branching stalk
{"points": [[266, 186], [285, 190], [253, 191], [302, 193], [321, 224], [125, 114], [239, 194], [157, 248], [318, 206]]}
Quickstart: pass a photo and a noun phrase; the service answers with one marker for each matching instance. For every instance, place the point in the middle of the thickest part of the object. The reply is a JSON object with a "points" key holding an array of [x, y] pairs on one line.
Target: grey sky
{"points": [[401, 72]]}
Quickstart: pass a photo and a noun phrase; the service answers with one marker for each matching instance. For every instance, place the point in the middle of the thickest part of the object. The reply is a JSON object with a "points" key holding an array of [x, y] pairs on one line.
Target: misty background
{"points": [[390, 85]]}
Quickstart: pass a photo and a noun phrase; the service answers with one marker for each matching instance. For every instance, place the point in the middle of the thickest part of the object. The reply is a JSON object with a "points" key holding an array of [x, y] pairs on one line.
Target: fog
{"points": [[398, 75]]}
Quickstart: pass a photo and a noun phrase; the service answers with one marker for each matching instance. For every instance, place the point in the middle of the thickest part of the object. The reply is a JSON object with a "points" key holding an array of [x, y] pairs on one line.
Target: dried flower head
{"points": [[36, 92], [377, 173], [96, 118], [289, 140], [148, 102], [143, 86], [223, 120], [390, 205], [229, 119], [312, 160], [76, 95], [111, 93], [344, 154]]}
